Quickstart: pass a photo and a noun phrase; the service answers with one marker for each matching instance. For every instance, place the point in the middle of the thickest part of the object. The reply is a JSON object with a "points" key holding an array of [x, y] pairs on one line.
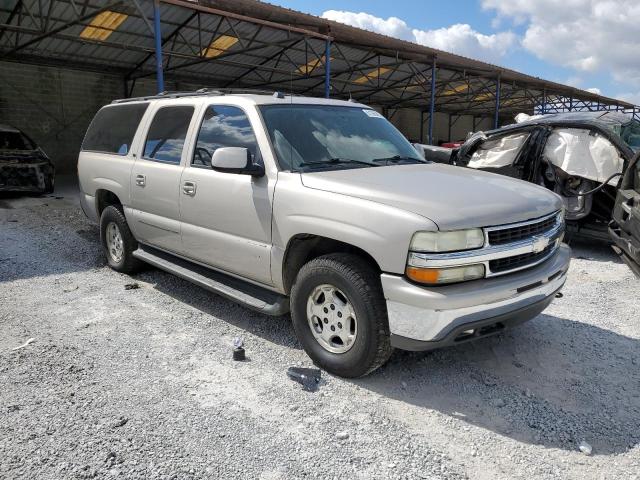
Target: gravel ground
{"points": [[140, 383]]}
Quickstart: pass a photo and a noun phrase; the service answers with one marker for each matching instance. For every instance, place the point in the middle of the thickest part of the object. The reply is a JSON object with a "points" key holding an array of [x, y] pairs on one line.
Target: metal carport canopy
{"points": [[250, 44]]}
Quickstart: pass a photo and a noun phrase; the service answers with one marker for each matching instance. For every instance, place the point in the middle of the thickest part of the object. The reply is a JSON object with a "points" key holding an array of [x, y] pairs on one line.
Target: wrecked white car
{"points": [[581, 156]]}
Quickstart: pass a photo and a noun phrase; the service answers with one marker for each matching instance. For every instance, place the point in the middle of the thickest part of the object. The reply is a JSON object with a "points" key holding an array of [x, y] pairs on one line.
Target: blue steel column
{"points": [[327, 68], [157, 33], [544, 101], [497, 115], [432, 105]]}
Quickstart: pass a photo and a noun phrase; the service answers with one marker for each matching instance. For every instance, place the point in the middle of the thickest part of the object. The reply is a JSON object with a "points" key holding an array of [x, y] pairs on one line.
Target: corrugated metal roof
{"points": [[273, 46]]}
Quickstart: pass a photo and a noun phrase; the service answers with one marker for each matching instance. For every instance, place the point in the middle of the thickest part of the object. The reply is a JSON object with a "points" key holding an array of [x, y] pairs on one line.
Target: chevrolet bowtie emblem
{"points": [[539, 244]]}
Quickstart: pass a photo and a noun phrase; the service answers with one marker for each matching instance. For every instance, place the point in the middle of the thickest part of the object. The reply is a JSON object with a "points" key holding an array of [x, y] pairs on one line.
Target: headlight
{"points": [[454, 240], [439, 276]]}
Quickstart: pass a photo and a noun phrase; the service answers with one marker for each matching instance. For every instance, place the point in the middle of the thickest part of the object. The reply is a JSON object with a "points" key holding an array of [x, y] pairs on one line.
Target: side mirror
{"points": [[235, 160]]}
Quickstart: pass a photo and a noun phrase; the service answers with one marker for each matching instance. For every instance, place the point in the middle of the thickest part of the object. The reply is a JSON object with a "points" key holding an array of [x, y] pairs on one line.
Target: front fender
{"points": [[384, 232]]}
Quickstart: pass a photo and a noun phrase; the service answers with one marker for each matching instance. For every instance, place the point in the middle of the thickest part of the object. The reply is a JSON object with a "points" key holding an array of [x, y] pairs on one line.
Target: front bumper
{"points": [[422, 318], [26, 177]]}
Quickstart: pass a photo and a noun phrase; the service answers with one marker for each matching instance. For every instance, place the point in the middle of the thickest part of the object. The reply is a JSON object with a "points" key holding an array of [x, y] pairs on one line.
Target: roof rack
{"points": [[202, 92]]}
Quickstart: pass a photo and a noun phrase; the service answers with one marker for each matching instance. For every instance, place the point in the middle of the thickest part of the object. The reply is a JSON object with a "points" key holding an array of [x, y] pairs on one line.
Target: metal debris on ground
{"points": [[308, 377], [131, 286], [28, 342], [238, 349], [559, 295], [122, 421]]}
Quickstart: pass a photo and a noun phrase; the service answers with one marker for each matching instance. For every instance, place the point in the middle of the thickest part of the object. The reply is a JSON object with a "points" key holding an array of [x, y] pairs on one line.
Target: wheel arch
{"points": [[104, 198], [304, 247]]}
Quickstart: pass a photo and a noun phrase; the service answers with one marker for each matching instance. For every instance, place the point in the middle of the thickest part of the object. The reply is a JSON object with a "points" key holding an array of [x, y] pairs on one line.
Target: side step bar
{"points": [[247, 294]]}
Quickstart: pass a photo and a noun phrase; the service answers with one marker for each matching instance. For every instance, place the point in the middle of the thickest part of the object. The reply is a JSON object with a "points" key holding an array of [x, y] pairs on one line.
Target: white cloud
{"points": [[631, 97], [463, 40], [458, 38], [595, 90], [587, 35], [392, 26]]}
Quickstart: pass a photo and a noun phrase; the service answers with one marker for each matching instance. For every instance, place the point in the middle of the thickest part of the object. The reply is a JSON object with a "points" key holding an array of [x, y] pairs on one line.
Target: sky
{"points": [[589, 44]]}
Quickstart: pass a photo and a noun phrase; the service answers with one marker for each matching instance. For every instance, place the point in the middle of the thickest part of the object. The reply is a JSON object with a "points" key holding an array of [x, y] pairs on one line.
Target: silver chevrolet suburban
{"points": [[323, 208]]}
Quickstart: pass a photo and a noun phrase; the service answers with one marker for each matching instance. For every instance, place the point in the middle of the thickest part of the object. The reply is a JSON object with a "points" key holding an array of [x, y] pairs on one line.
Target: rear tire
{"points": [[49, 185], [118, 241], [353, 291]]}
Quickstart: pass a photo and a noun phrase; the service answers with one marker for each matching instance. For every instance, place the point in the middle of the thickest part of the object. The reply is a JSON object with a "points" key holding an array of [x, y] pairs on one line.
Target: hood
{"points": [[452, 197]]}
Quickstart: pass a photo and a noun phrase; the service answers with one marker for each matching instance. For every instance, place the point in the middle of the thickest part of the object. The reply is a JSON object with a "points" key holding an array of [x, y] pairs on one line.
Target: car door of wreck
{"points": [[625, 226]]}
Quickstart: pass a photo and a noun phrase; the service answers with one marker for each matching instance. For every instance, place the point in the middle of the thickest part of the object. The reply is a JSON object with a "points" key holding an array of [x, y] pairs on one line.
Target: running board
{"points": [[247, 294]]}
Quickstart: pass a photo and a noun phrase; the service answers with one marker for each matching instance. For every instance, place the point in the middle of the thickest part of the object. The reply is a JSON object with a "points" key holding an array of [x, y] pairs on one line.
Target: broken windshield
{"points": [[313, 137], [630, 134], [10, 140]]}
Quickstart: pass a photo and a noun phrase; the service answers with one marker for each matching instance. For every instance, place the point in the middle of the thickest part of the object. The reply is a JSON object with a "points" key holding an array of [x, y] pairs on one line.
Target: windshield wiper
{"points": [[398, 159], [337, 161]]}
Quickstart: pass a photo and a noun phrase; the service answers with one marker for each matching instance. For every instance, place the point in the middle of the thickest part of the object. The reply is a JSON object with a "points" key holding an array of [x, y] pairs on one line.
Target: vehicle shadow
{"points": [[597, 251], [553, 382], [277, 330]]}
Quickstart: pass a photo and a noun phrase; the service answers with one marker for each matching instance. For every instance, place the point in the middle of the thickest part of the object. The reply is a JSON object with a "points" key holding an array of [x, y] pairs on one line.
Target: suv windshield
{"points": [[312, 137]]}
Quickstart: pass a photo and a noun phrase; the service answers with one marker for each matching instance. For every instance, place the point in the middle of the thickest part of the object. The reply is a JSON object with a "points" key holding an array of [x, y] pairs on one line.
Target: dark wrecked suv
{"points": [[588, 158], [24, 167]]}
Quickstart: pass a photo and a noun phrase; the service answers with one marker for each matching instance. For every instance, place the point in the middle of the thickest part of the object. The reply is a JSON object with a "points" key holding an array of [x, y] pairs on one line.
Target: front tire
{"points": [[340, 316], [118, 241]]}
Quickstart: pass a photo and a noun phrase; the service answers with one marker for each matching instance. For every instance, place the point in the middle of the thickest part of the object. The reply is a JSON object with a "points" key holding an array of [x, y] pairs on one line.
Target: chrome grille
{"points": [[513, 234], [518, 261]]}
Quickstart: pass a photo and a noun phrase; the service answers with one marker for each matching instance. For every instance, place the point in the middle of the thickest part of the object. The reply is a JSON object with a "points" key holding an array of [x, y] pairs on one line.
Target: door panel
{"points": [[226, 217], [227, 222], [155, 178], [156, 207], [625, 226]]}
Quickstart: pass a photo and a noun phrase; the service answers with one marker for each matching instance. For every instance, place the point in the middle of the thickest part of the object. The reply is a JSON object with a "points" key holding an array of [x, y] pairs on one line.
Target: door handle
{"points": [[189, 188], [140, 180]]}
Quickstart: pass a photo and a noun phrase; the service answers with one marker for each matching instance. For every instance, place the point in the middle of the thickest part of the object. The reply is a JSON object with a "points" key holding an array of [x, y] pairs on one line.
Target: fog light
{"points": [[439, 276]]}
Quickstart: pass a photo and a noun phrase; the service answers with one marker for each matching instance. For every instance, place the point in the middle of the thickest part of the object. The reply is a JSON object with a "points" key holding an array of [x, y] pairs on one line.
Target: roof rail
{"points": [[200, 92]]}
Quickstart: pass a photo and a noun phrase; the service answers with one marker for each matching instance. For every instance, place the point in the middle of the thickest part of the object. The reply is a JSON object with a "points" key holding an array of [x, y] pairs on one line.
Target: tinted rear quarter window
{"points": [[113, 128]]}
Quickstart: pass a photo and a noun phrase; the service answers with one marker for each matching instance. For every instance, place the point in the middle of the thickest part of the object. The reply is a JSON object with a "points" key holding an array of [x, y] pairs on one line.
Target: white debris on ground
{"points": [[141, 384]]}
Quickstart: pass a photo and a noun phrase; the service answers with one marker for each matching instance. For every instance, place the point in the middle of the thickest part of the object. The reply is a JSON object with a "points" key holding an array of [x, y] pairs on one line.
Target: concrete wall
{"points": [[407, 120], [54, 106]]}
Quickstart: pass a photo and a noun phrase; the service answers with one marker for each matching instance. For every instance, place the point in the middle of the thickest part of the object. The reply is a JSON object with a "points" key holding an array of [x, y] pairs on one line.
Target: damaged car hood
{"points": [[21, 156], [451, 197]]}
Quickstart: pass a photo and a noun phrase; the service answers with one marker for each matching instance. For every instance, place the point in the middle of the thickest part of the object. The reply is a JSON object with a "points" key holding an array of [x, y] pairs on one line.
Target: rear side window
{"points": [[224, 126], [113, 128], [167, 134]]}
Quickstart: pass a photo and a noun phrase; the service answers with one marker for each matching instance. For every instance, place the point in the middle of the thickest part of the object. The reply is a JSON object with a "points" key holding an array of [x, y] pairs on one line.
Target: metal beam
{"points": [[13, 13], [432, 104], [244, 18], [157, 33], [327, 69], [496, 118], [59, 29], [175, 32]]}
